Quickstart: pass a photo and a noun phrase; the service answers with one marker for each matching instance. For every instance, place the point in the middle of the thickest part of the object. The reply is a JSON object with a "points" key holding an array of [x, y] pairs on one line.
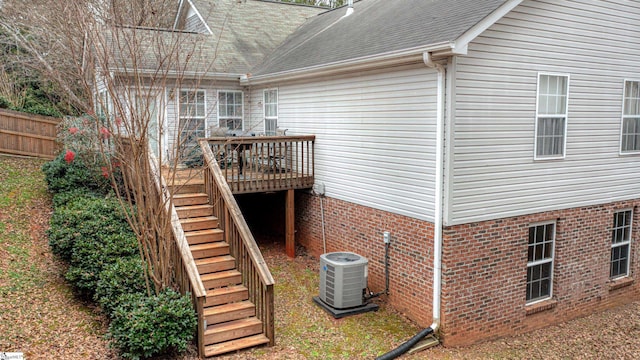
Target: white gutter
{"points": [[378, 60], [437, 228]]}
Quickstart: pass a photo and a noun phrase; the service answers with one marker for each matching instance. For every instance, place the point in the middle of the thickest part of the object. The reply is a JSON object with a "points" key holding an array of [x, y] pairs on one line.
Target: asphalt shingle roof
{"points": [[375, 27], [244, 32]]}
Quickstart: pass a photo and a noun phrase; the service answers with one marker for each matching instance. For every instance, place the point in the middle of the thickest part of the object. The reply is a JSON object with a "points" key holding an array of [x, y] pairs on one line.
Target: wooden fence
{"points": [[28, 134]]}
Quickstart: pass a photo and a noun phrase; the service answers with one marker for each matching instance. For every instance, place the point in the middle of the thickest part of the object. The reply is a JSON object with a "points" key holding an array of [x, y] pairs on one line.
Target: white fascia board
{"points": [[462, 42], [200, 17], [372, 61]]}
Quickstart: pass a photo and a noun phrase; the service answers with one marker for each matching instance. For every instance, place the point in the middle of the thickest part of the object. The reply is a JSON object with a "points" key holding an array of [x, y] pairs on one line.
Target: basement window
{"points": [[620, 244], [540, 262]]}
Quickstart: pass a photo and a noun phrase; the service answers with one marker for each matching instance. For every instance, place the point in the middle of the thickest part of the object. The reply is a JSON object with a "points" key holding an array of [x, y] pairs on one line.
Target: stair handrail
{"points": [[212, 169], [199, 291]]}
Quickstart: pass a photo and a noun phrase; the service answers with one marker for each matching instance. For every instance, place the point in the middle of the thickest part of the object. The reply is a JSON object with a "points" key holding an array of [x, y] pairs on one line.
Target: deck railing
{"points": [[255, 274], [185, 275], [265, 163]]}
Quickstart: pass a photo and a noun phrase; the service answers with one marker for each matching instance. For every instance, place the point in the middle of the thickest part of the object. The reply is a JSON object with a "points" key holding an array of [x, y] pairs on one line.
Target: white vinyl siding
{"points": [[375, 136], [630, 137], [230, 109], [493, 173], [270, 111], [551, 118]]}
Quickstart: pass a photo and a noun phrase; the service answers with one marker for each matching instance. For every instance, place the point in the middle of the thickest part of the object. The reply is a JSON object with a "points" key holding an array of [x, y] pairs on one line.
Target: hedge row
{"points": [[89, 230]]}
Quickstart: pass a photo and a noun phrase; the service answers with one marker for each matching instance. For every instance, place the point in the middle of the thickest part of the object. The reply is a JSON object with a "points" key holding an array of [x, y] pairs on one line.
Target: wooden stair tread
{"points": [[215, 264], [233, 345], [196, 219], [212, 245], [232, 330], [232, 325], [219, 275], [199, 223], [226, 294], [195, 237], [187, 199], [193, 207], [229, 312], [215, 231], [215, 259], [190, 195], [226, 290], [209, 249], [194, 211], [220, 309]]}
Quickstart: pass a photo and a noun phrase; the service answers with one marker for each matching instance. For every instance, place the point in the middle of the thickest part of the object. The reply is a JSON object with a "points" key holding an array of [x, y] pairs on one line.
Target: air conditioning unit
{"points": [[343, 279]]}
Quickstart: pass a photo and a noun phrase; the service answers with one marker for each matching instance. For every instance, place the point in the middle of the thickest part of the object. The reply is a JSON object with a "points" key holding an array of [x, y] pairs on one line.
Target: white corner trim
{"points": [[463, 41], [200, 17]]}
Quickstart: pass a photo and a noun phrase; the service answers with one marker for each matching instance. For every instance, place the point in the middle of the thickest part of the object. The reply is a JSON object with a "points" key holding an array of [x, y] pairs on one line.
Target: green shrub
{"points": [[63, 198], [125, 276], [62, 175], [85, 218], [91, 255], [148, 326]]}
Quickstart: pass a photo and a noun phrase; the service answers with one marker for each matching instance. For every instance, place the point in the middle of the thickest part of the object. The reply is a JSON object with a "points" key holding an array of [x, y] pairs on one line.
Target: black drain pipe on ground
{"points": [[406, 346]]}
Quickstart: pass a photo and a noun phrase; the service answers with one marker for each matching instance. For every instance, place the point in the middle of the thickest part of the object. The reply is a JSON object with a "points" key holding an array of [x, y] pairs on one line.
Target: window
{"points": [[230, 109], [620, 243], [192, 115], [270, 111], [103, 105], [551, 116], [540, 261], [630, 141]]}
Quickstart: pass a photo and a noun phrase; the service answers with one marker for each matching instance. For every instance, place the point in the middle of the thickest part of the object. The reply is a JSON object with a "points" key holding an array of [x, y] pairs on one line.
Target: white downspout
{"points": [[437, 229], [439, 179]]}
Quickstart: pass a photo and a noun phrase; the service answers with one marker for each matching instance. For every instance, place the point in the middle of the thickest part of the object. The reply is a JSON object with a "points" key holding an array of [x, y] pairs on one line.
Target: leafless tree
{"points": [[106, 47]]}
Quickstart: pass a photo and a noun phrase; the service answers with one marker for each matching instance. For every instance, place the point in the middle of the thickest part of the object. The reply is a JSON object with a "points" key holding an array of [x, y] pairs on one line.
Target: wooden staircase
{"points": [[230, 321]]}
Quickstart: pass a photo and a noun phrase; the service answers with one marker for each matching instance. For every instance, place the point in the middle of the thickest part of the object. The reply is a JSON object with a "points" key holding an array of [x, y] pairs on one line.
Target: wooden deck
{"points": [[258, 164], [265, 163]]}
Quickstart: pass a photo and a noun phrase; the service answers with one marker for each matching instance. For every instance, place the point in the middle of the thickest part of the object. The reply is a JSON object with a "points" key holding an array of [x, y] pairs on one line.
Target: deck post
{"points": [[290, 224]]}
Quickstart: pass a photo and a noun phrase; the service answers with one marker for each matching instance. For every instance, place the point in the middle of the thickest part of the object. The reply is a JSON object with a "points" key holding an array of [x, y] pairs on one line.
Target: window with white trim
{"points": [[192, 115], [540, 261], [230, 106], [630, 134], [270, 111], [551, 116], [620, 243]]}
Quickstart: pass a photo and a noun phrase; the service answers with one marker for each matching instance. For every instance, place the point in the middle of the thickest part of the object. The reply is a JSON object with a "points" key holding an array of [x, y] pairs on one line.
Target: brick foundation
{"points": [[484, 273], [356, 228]]}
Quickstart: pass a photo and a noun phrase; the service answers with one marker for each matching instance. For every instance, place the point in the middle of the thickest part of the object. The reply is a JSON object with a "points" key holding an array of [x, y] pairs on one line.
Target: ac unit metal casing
{"points": [[343, 279]]}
